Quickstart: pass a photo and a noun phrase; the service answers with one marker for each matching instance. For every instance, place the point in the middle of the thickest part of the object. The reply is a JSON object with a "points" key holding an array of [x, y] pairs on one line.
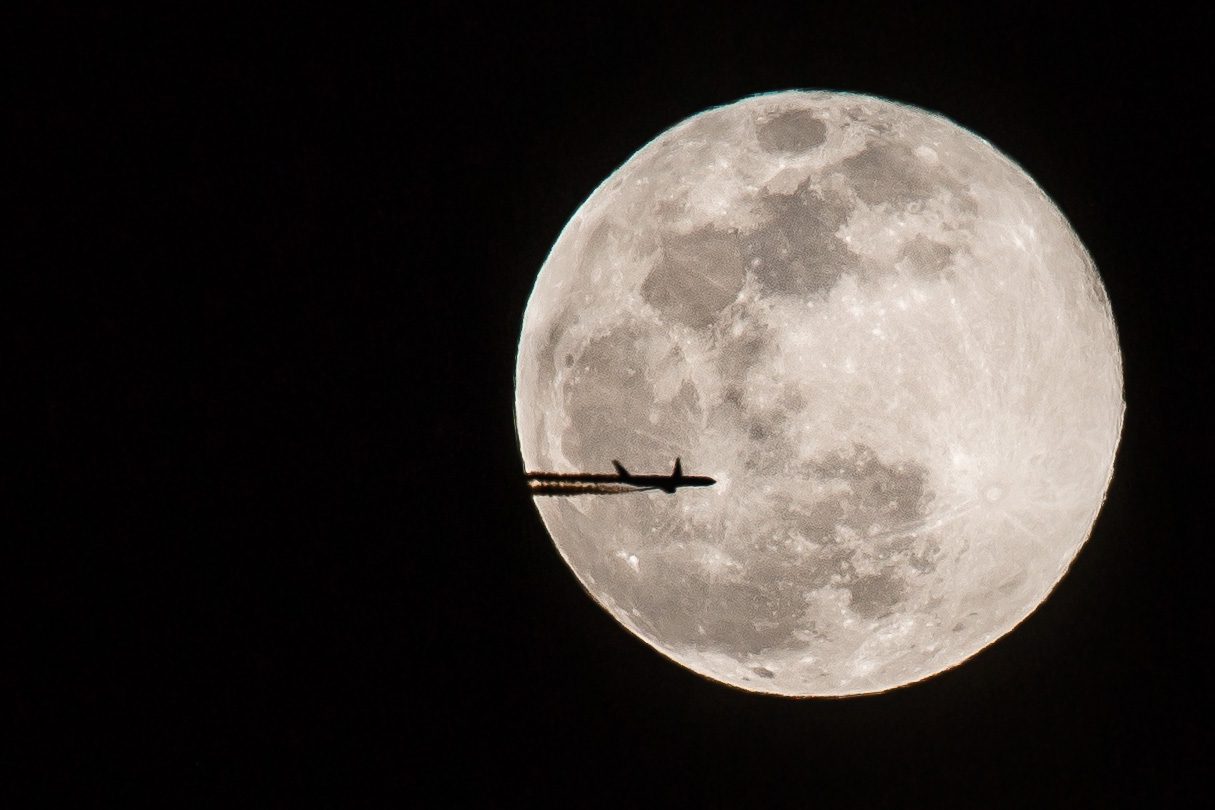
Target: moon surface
{"points": [[885, 343]]}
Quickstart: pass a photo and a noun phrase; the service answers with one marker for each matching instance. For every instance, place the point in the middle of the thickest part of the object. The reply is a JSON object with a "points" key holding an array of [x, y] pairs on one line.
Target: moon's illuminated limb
{"points": [[883, 341]]}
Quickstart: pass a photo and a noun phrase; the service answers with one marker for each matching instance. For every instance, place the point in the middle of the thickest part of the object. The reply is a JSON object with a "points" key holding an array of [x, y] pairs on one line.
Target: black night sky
{"points": [[271, 542]]}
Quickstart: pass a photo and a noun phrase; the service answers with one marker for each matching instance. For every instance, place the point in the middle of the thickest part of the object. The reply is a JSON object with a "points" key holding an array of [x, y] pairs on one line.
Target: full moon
{"points": [[884, 342]]}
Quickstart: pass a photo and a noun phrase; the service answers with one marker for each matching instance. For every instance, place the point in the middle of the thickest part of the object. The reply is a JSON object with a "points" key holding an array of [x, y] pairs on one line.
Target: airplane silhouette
{"points": [[546, 483]]}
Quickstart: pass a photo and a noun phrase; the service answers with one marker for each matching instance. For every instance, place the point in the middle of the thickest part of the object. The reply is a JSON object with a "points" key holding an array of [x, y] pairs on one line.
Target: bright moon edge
{"points": [[883, 340]]}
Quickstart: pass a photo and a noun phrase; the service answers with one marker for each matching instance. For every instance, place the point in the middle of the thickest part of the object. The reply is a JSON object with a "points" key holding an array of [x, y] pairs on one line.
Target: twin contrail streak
{"points": [[578, 488]]}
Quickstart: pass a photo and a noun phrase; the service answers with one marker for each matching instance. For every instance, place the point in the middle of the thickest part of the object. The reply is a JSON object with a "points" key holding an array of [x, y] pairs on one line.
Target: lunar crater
{"points": [[793, 131]]}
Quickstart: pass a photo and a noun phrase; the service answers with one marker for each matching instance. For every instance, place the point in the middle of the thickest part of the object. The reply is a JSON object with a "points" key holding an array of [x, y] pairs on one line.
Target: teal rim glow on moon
{"points": [[885, 343]]}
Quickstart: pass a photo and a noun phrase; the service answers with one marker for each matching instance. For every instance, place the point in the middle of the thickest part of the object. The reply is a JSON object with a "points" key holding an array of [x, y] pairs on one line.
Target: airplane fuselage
{"points": [[546, 483]]}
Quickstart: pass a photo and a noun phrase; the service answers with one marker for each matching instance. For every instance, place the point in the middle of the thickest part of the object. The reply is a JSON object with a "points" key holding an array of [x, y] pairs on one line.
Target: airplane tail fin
{"points": [[678, 473], [620, 469]]}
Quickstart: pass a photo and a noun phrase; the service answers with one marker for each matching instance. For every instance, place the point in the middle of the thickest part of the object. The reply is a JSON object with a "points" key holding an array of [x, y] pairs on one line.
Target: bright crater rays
{"points": [[884, 342]]}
